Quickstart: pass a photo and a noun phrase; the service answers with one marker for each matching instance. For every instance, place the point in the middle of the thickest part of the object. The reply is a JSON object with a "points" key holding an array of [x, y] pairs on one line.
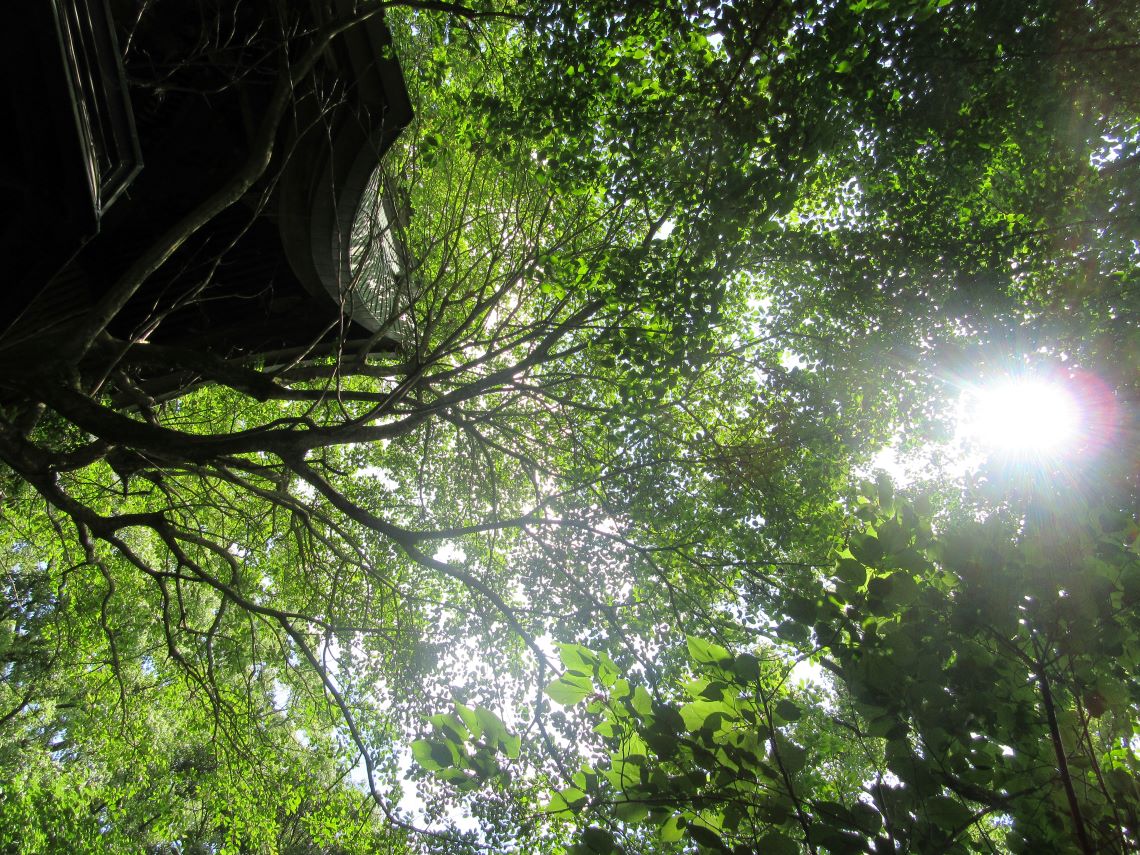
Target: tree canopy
{"points": [[583, 552]]}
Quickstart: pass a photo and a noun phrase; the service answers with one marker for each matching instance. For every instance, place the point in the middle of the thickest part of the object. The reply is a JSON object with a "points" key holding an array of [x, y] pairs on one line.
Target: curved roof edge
{"points": [[330, 164]]}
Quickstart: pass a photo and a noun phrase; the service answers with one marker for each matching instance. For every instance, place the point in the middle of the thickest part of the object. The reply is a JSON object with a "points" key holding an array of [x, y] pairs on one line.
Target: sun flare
{"points": [[1021, 416]]}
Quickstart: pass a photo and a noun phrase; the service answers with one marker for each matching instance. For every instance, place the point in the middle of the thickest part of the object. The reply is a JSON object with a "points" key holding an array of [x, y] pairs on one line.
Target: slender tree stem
{"points": [[1062, 763]]}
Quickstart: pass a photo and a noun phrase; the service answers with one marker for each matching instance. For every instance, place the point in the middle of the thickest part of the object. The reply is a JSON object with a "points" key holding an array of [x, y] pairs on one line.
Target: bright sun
{"points": [[1021, 416]]}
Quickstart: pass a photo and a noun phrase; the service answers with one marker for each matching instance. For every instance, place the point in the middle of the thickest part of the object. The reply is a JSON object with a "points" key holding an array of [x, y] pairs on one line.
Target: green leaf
{"points": [[569, 800], [838, 841], [494, 731], [672, 830], [662, 741], [792, 757], [801, 609], [577, 658], [885, 492], [469, 718], [867, 818], [715, 691], [788, 710], [434, 754], [484, 763], [606, 671], [598, 840], [835, 813], [569, 689], [707, 837], [695, 714], [793, 631], [947, 813], [449, 726], [866, 549], [631, 812], [746, 668], [511, 746], [463, 780], [777, 843], [851, 572], [706, 652], [892, 538], [774, 812], [903, 590], [642, 701]]}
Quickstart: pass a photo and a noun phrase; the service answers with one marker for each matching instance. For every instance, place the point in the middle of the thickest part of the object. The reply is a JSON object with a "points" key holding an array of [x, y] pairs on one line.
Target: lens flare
{"points": [[1021, 417]]}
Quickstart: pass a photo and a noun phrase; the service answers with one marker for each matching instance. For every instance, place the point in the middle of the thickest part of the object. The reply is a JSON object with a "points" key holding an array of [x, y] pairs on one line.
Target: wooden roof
{"points": [[269, 273]]}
